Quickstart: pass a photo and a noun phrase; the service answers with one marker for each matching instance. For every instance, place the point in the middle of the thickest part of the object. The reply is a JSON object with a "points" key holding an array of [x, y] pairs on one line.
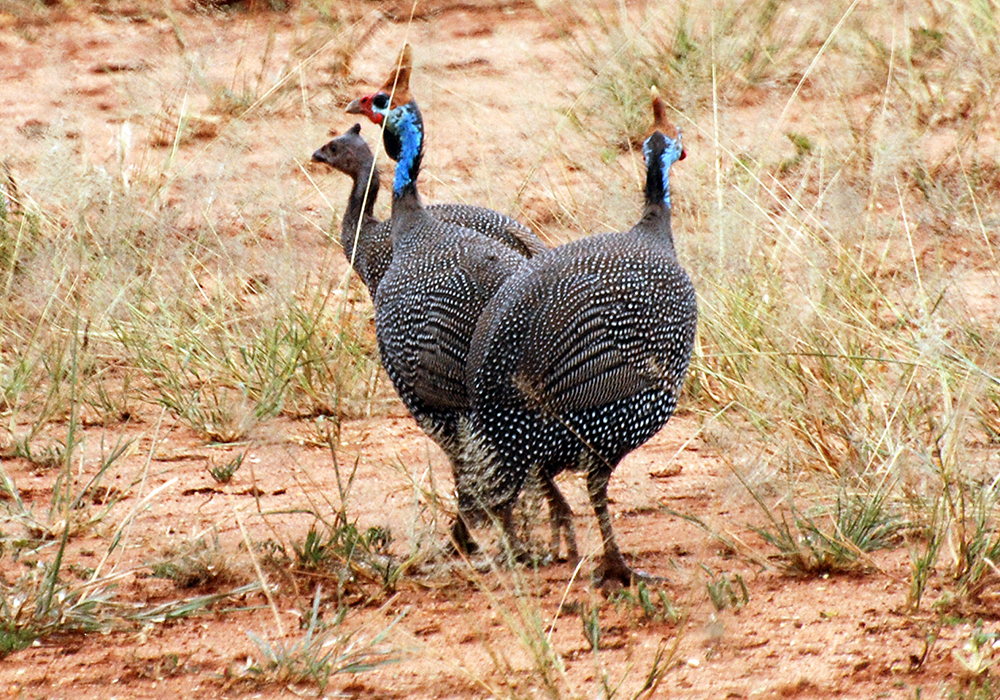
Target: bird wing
{"points": [[584, 346], [439, 379], [527, 243], [451, 310]]}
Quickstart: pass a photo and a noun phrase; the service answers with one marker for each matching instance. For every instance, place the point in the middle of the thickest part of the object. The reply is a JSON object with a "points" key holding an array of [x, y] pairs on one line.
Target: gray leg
{"points": [[560, 520], [461, 538], [613, 566], [515, 550]]}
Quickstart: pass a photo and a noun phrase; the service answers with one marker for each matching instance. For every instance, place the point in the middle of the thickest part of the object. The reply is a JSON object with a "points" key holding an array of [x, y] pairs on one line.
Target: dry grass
{"points": [[840, 222], [840, 238]]}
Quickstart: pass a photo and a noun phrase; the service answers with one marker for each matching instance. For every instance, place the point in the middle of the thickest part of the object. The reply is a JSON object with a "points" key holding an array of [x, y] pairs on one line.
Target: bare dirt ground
{"points": [[491, 83]]}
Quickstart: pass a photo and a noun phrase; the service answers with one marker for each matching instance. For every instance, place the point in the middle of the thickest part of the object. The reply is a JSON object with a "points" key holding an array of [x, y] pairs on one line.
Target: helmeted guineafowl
{"points": [[428, 303], [580, 356], [396, 92], [366, 240]]}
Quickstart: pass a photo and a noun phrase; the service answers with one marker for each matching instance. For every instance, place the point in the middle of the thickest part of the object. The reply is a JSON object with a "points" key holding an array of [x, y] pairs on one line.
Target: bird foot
{"points": [[614, 575], [554, 555], [555, 550], [461, 543], [521, 556]]}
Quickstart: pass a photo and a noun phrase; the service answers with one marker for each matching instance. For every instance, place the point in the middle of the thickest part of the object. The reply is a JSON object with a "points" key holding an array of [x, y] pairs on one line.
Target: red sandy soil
{"points": [[464, 631]]}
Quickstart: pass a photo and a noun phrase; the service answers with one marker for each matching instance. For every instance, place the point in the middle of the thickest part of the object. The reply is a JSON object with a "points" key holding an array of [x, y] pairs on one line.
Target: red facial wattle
{"points": [[363, 105]]}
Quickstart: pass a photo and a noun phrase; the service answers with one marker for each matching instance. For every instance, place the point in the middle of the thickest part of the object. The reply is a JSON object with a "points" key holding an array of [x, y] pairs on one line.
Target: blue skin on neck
{"points": [[670, 155], [406, 125]]}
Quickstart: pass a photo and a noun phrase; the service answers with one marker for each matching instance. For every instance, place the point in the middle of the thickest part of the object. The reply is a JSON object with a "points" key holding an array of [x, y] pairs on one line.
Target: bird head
{"points": [[366, 106], [394, 94], [673, 148], [344, 152], [661, 149]]}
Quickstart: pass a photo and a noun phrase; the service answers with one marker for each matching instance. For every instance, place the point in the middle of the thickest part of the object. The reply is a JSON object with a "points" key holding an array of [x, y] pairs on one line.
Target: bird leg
{"points": [[560, 519], [612, 566], [514, 549], [461, 538]]}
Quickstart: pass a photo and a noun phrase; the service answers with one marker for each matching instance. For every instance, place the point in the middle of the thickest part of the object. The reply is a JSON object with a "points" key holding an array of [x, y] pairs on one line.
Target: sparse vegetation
{"points": [[224, 473], [652, 603], [830, 537], [168, 284], [202, 563], [326, 649], [727, 592]]}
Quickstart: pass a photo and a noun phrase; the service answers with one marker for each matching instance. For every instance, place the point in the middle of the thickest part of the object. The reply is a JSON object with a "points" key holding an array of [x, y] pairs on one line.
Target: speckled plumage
{"points": [[434, 306], [580, 356], [428, 303], [349, 153]]}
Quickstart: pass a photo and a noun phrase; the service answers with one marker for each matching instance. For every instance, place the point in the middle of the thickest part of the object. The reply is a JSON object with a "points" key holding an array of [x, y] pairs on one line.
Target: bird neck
{"points": [[366, 186], [361, 205], [407, 126], [659, 158], [660, 154], [409, 229]]}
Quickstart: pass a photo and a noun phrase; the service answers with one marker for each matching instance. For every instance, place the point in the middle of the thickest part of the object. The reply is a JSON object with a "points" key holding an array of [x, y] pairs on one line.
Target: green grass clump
{"points": [[39, 604], [975, 689], [653, 604], [831, 538], [224, 473], [326, 649]]}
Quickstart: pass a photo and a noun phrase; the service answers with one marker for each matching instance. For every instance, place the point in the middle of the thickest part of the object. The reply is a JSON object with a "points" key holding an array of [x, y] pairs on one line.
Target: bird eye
{"points": [[380, 101]]}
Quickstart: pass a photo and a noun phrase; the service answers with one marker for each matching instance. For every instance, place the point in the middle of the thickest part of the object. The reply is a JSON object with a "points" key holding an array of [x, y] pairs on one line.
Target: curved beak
{"points": [[355, 107]]}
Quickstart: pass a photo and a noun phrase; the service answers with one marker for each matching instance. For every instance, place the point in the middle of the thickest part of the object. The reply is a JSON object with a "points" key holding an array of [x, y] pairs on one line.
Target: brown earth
{"points": [[492, 83]]}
